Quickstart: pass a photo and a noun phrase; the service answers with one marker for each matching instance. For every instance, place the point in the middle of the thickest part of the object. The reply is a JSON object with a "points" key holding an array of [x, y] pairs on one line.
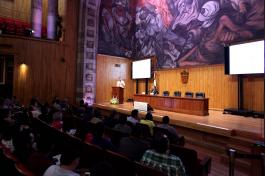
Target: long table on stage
{"points": [[193, 106]]}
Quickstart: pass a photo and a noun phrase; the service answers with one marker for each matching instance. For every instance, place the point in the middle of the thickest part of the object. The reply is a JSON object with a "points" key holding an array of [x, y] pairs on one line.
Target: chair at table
{"points": [[189, 94], [200, 95], [177, 94], [166, 93]]}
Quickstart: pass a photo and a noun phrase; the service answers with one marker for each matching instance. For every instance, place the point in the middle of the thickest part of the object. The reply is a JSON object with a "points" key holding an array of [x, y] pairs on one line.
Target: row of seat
{"points": [[187, 94], [17, 27], [91, 155]]}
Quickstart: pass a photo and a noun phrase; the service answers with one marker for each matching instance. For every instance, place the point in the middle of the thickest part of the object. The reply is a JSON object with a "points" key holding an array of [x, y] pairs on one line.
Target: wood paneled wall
{"points": [[109, 70], [219, 88], [21, 9], [50, 66], [253, 88]]}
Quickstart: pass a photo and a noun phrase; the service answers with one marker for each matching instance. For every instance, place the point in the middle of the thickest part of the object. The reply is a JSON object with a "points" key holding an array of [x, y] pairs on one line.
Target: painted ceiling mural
{"points": [[117, 27], [181, 32]]}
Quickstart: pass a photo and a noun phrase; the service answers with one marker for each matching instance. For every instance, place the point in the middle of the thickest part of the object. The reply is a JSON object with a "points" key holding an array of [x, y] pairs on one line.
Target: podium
{"points": [[118, 93]]}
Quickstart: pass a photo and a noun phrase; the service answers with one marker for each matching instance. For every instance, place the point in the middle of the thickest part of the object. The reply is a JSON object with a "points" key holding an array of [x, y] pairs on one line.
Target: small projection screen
{"points": [[141, 69]]}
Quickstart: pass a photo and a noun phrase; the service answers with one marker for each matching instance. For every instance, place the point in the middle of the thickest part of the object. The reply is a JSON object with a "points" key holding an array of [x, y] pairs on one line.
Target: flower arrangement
{"points": [[114, 100]]}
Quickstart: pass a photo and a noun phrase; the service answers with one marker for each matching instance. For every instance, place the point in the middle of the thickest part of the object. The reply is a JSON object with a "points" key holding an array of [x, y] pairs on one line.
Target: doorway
{"points": [[6, 75]]}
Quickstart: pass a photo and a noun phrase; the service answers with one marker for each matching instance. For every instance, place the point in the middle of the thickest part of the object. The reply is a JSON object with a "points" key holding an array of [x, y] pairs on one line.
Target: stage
{"points": [[215, 123]]}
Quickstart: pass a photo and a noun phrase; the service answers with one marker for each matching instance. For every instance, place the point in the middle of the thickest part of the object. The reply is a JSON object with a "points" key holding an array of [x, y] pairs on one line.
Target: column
{"points": [[36, 17], [52, 19]]}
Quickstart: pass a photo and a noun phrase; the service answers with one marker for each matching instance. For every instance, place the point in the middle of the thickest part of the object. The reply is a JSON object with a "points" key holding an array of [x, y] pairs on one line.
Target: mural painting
{"points": [[178, 32], [117, 27], [193, 32]]}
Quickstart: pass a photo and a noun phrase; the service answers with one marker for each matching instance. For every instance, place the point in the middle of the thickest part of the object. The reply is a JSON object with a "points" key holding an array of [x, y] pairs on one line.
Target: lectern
{"points": [[117, 92]]}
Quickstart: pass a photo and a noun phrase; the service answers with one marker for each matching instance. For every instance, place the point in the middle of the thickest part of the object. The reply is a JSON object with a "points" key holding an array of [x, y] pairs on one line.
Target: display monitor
{"points": [[141, 69], [245, 58]]}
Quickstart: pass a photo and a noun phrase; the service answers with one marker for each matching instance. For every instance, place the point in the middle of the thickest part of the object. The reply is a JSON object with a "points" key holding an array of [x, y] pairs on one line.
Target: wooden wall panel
{"points": [[253, 89], [51, 66], [219, 88], [108, 74]]}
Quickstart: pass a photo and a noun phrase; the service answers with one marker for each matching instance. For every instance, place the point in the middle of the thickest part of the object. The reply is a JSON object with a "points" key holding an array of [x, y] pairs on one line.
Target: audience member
{"points": [[122, 126], [133, 147], [160, 159], [166, 125], [57, 122], [7, 140], [112, 120], [134, 117], [100, 140], [68, 163], [148, 121]]}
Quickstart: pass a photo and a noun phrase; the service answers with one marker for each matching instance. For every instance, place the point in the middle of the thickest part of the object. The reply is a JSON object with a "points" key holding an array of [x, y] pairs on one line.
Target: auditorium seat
{"points": [[189, 158], [91, 155], [180, 140], [142, 170], [177, 94], [166, 93], [114, 135], [144, 129], [189, 94], [23, 170], [200, 95], [120, 163]]}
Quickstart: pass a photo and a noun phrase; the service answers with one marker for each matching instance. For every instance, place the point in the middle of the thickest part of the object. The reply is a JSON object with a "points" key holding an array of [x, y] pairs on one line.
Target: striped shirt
{"points": [[169, 164]]}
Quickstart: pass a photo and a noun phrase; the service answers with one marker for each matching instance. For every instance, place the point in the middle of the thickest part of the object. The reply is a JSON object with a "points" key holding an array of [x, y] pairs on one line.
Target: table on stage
{"points": [[194, 106]]}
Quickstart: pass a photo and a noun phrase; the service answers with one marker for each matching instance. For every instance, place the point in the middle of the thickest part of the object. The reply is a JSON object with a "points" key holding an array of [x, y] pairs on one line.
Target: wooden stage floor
{"points": [[216, 122]]}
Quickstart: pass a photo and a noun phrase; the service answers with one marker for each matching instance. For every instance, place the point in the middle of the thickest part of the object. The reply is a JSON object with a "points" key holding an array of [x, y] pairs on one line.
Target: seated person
{"points": [[148, 121], [100, 140], [122, 125], [154, 91], [133, 146], [134, 117], [166, 125], [160, 159], [68, 163]]}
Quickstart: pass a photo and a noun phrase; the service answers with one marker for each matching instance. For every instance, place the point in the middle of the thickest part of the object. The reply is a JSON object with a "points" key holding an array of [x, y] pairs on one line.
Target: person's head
{"points": [[149, 116], [70, 159], [161, 143], [165, 120], [122, 119], [81, 102], [99, 130], [134, 113]]}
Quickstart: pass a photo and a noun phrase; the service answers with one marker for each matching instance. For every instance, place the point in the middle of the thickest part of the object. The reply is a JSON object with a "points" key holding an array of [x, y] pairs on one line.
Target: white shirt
{"points": [[120, 83], [55, 170]]}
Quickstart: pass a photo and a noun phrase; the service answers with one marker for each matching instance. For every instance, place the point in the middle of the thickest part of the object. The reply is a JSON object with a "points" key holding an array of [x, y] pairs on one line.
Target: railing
{"points": [[233, 155], [14, 14]]}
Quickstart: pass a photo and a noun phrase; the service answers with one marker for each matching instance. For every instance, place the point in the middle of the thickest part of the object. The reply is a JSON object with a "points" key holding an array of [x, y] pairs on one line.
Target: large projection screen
{"points": [[247, 58]]}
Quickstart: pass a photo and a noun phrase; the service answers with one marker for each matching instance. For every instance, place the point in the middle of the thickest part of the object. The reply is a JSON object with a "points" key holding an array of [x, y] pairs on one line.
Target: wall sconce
{"points": [[184, 76]]}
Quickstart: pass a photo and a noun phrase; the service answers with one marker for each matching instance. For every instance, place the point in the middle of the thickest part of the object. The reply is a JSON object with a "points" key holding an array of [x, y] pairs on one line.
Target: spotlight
{"points": [[29, 32]]}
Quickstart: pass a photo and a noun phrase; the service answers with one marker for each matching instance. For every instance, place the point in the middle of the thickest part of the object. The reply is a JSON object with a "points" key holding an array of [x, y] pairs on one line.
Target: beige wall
{"points": [[221, 89]]}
